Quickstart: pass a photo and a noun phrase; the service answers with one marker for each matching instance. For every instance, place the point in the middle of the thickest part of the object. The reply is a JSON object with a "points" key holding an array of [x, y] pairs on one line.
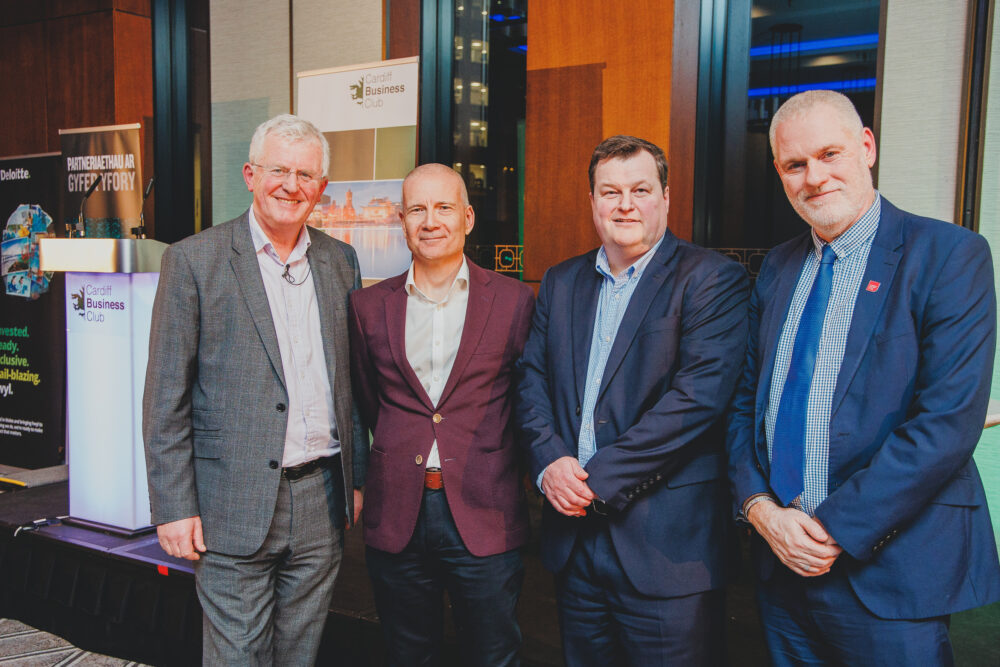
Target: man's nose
{"points": [[627, 203], [816, 173]]}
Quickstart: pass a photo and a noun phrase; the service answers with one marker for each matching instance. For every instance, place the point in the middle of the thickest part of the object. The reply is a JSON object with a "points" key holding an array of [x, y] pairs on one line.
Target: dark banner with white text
{"points": [[102, 180], [32, 316]]}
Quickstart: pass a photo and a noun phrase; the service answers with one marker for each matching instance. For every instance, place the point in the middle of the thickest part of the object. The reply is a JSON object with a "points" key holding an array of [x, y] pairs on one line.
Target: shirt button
{"points": [[437, 378], [419, 459], [273, 465], [437, 418], [280, 407]]}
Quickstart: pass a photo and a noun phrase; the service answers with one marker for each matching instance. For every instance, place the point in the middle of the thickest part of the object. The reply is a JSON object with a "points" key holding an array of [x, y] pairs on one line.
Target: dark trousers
{"points": [[409, 588], [820, 621], [606, 622]]}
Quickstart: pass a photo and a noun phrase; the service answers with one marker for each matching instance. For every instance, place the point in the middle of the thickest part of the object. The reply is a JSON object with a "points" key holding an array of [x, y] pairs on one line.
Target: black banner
{"points": [[32, 317], [102, 179]]}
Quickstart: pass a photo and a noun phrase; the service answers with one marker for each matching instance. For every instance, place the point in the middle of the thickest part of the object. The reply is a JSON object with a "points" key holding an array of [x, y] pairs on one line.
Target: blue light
{"points": [[816, 45], [499, 18], [851, 84], [521, 48]]}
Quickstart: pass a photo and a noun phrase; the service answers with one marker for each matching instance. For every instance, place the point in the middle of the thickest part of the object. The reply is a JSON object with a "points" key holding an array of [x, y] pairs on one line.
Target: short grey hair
{"points": [[796, 105], [293, 129]]}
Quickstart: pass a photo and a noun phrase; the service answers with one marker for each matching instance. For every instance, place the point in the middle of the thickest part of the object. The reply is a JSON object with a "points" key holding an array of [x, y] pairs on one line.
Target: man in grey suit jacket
{"points": [[253, 447]]}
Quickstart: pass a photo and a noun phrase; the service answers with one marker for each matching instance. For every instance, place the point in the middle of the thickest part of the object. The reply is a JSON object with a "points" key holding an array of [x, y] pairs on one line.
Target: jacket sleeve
{"points": [[533, 412], [166, 401], [746, 477]]}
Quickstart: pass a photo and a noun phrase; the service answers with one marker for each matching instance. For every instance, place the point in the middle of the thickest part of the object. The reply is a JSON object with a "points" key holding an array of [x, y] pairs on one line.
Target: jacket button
{"points": [[419, 459], [280, 407], [273, 465], [578, 411], [437, 418]]}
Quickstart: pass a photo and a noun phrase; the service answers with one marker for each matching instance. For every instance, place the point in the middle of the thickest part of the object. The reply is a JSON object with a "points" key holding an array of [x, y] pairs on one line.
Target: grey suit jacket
{"points": [[214, 408]]}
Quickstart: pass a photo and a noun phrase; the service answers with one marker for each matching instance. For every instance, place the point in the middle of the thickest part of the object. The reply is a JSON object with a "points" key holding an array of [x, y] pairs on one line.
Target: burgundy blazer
{"points": [[471, 422]]}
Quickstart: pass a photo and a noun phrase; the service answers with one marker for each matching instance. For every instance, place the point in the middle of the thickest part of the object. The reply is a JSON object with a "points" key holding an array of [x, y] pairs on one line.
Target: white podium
{"points": [[110, 286]]}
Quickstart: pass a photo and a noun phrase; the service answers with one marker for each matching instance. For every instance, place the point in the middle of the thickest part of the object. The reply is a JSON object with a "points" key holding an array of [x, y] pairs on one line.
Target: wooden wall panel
{"points": [[404, 28], [564, 124], [683, 112], [73, 63], [22, 109], [615, 66], [80, 87]]}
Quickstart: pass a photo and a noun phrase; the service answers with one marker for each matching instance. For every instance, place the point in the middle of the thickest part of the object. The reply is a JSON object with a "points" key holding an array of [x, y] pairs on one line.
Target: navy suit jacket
{"points": [[905, 498], [660, 461], [471, 421]]}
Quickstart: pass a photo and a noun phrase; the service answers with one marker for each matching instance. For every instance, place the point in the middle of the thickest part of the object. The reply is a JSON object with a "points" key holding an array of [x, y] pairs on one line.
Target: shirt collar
{"points": [[638, 266], [856, 235], [461, 281], [262, 242]]}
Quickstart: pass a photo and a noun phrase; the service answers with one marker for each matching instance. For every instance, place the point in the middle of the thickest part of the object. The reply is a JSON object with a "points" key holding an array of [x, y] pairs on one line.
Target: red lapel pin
{"points": [[873, 286]]}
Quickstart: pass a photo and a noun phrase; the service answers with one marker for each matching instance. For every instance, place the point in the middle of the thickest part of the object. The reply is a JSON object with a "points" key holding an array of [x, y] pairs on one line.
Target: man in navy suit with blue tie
{"points": [[633, 355], [863, 396]]}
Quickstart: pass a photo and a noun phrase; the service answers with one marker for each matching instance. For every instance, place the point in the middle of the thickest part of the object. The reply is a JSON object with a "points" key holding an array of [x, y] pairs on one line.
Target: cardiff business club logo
{"points": [[358, 91], [79, 299]]}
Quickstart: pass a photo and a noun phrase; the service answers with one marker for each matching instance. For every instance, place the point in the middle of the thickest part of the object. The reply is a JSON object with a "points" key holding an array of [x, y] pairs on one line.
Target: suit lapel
{"points": [[477, 314], [882, 262], [251, 285], [656, 275], [395, 323], [586, 292]]}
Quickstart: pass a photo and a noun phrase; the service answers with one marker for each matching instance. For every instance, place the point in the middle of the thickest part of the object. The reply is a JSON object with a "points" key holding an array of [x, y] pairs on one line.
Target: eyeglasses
{"points": [[281, 173]]}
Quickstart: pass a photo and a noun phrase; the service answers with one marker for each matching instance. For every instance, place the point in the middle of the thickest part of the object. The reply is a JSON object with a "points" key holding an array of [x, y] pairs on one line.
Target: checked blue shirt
{"points": [[852, 249], [616, 292]]}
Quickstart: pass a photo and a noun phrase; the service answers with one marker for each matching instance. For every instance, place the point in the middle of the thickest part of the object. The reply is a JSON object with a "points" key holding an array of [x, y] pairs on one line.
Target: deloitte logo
{"points": [[91, 301]]}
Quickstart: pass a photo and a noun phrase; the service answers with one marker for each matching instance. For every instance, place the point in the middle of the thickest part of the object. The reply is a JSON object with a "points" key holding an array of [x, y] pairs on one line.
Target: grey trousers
{"points": [[269, 608]]}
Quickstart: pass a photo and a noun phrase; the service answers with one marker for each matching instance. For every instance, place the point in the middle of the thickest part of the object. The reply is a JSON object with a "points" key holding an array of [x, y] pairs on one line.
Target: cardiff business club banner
{"points": [[368, 113], [102, 179], [32, 317]]}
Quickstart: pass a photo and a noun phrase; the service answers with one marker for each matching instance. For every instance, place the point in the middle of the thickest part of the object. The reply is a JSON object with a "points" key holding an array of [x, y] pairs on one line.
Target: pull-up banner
{"points": [[108, 157], [32, 317], [368, 113]]}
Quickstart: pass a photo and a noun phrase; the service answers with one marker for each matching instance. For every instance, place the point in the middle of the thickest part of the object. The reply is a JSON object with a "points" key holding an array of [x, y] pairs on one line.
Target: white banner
{"points": [[368, 113], [361, 97]]}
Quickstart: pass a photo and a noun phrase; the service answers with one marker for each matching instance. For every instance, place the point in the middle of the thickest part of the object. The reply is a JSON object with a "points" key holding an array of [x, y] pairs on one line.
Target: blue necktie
{"points": [[788, 448]]}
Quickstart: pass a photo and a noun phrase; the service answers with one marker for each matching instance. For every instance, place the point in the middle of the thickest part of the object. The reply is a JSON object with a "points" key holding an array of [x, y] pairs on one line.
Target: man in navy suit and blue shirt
{"points": [[633, 355], [864, 394]]}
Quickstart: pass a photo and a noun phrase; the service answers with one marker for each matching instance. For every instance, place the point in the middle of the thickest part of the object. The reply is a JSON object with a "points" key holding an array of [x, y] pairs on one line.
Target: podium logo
{"points": [[90, 302], [358, 91]]}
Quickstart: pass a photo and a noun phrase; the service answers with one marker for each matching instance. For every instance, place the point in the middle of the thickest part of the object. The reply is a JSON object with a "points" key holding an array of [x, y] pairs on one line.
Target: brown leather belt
{"points": [[433, 479], [297, 472]]}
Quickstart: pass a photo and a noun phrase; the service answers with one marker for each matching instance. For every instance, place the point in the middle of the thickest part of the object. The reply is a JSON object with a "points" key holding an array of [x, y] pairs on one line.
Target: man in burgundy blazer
{"points": [[433, 355]]}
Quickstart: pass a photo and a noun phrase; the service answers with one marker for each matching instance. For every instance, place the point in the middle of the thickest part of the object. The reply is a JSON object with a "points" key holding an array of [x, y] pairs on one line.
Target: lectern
{"points": [[110, 286]]}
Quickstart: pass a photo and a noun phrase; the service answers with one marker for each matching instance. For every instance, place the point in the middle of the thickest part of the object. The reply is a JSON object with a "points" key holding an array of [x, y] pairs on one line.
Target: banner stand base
{"points": [[106, 528]]}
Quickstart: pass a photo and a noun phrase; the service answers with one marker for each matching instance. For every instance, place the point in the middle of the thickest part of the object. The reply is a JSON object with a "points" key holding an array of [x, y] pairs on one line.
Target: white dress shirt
{"points": [[312, 426], [433, 333]]}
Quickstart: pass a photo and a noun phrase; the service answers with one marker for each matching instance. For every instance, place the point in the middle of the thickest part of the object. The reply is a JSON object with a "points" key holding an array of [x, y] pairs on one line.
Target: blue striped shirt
{"points": [[852, 249]]}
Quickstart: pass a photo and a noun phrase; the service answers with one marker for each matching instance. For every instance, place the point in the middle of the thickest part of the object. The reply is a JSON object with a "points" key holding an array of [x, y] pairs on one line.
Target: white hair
{"points": [[291, 128], [796, 105]]}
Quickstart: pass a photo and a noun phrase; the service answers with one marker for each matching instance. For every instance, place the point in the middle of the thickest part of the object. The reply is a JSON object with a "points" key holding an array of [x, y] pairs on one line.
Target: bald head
{"points": [[800, 105], [438, 173]]}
